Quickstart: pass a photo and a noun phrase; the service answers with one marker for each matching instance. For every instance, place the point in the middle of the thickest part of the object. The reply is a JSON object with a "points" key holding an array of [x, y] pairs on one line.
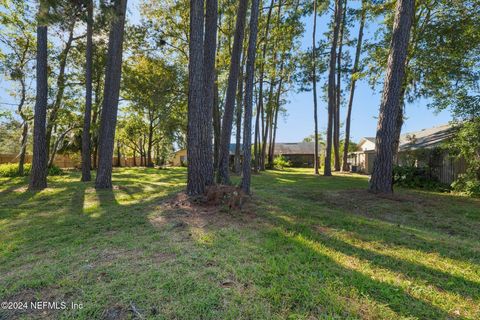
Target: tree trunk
{"points": [[353, 82], [238, 120], [38, 174], [275, 121], [331, 88], [216, 124], [381, 180], [197, 179], [119, 155], [113, 75], [316, 162], [338, 104], [61, 80], [227, 122], [249, 75], [86, 156], [150, 146], [210, 49], [134, 158], [23, 148], [256, 148]]}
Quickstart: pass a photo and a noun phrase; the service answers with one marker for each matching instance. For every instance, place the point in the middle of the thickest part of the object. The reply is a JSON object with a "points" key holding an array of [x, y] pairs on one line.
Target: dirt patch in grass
{"points": [[221, 206], [116, 312]]}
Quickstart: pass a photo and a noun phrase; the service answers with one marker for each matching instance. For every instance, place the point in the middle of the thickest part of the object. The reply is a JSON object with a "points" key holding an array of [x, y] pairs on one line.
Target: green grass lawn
{"points": [[304, 247]]}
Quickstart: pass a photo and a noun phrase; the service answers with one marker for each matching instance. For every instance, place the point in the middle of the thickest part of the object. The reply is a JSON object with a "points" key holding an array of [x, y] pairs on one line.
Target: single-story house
{"points": [[300, 154], [420, 149], [179, 158]]}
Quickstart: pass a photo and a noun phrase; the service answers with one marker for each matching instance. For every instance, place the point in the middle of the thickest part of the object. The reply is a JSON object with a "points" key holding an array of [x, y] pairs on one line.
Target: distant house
{"points": [[179, 158], [420, 149], [300, 154]]}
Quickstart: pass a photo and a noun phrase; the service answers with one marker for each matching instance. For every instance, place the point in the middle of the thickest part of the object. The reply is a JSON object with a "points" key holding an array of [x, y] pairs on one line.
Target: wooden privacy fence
{"points": [[69, 161]]}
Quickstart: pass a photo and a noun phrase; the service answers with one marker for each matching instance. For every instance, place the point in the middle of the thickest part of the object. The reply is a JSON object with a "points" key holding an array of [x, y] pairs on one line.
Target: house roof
{"points": [[426, 138], [290, 148], [371, 139]]}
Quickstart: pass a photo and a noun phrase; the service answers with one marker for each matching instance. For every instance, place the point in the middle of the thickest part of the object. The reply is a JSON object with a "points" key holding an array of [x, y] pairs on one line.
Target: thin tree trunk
{"points": [[119, 155], [210, 49], [150, 146], [110, 101], [256, 148], [336, 115], [381, 180], [266, 132], [216, 124], [249, 75], [275, 121], [23, 148], [61, 80], [331, 88], [197, 179], [23, 141], [216, 110], [38, 174], [238, 120], [316, 162], [227, 122], [353, 83], [86, 156]]}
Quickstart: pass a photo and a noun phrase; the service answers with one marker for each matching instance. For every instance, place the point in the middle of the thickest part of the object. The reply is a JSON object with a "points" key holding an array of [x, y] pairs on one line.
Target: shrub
{"points": [[417, 177], [11, 170], [281, 162], [467, 184], [55, 171]]}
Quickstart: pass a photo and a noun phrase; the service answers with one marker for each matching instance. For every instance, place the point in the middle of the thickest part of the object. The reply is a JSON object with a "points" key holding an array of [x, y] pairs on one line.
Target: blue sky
{"points": [[298, 123]]}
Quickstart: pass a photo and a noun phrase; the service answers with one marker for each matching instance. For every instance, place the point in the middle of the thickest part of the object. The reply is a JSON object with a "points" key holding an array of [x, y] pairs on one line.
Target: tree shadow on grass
{"points": [[384, 293]]}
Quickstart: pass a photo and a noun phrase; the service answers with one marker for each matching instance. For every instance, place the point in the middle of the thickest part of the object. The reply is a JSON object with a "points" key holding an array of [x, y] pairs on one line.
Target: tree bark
{"points": [[113, 75], [353, 83], [38, 174], [381, 180], [316, 162], [336, 115], [249, 75], [227, 122], [210, 49], [86, 155], [197, 179], [331, 88]]}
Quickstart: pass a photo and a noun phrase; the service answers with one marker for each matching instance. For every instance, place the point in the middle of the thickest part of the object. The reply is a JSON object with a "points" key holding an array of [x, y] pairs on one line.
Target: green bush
{"points": [[11, 170], [55, 171], [417, 177], [467, 184], [280, 162]]}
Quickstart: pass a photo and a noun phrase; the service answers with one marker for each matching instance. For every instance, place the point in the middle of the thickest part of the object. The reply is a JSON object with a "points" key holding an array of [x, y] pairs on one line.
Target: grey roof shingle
{"points": [[426, 138]]}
